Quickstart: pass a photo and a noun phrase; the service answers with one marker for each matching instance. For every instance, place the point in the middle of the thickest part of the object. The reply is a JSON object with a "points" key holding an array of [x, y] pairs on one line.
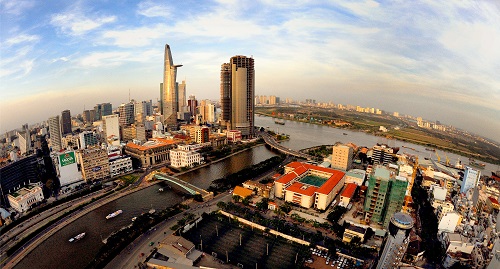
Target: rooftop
{"points": [[349, 190], [242, 192], [302, 189]]}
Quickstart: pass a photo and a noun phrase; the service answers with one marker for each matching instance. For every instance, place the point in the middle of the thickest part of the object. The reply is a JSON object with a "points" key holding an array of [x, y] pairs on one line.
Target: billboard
{"points": [[67, 158]]}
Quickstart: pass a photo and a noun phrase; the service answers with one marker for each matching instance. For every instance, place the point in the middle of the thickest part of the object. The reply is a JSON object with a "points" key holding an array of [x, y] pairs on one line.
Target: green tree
{"points": [[221, 205], [236, 198]]}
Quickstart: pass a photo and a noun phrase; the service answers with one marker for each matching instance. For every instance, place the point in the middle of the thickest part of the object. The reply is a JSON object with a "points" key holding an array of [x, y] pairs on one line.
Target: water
{"points": [[57, 252]]}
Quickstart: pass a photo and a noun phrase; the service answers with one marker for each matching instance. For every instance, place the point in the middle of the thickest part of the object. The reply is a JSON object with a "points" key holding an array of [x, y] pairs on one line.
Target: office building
{"points": [[207, 112], [192, 105], [397, 241], [182, 101], [94, 163], [55, 133], [88, 116], [470, 179], [111, 129], [238, 94], [101, 110], [342, 157], [24, 138], [382, 155], [202, 135], [156, 151], [127, 115], [385, 195], [170, 96], [88, 139], [119, 165], [18, 173], [66, 122], [184, 156], [309, 185], [66, 167]]}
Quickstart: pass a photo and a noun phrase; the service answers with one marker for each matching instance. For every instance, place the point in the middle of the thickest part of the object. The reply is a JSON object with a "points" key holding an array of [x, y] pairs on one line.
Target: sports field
{"points": [[255, 251], [313, 180]]}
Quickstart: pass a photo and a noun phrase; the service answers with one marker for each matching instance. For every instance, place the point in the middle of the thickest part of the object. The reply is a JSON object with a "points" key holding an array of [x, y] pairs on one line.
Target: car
{"points": [[309, 261]]}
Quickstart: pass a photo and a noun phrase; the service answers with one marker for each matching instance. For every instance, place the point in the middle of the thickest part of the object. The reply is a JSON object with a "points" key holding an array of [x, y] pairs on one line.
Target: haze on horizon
{"points": [[438, 60]]}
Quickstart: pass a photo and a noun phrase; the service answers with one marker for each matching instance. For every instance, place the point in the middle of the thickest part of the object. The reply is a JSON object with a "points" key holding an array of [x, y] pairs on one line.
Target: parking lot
{"points": [[321, 260]]}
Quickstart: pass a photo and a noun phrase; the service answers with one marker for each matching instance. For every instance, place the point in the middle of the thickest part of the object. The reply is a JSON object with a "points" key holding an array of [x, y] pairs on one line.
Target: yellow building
{"points": [[352, 231], [342, 157], [155, 151], [95, 163]]}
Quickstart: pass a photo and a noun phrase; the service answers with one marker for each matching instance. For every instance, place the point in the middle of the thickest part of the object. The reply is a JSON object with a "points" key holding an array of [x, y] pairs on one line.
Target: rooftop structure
{"points": [[397, 241]]}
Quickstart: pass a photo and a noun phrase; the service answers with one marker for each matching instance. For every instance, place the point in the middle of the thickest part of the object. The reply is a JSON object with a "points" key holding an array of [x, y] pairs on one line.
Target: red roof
{"points": [[298, 188], [301, 168], [493, 200], [349, 190], [276, 176], [495, 177]]}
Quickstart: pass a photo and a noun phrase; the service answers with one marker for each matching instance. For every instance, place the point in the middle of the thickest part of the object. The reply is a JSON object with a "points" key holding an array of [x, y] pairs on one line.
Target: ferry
{"points": [[76, 238], [279, 122], [114, 214], [344, 133]]}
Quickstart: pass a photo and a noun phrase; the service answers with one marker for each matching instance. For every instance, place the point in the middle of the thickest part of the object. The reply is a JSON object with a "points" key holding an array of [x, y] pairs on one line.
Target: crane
{"points": [[439, 158], [447, 160]]}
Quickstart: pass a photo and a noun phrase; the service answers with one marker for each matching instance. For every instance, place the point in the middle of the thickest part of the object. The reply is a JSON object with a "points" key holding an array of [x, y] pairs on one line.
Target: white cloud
{"points": [[135, 37], [22, 38], [77, 23], [15, 7], [106, 59], [151, 9]]}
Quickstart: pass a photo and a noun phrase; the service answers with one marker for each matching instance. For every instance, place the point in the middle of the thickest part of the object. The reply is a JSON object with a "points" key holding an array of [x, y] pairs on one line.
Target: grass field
{"points": [[253, 248], [129, 179]]}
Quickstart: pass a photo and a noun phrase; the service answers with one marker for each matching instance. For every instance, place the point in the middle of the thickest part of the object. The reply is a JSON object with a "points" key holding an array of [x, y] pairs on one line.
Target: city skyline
{"points": [[435, 60]]}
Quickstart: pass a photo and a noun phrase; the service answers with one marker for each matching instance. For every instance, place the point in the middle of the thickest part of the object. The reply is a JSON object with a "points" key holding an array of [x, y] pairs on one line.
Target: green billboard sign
{"points": [[67, 158]]}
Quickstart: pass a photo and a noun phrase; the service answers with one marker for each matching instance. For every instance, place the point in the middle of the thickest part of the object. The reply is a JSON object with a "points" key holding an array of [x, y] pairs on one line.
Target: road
{"points": [[269, 139], [129, 257]]}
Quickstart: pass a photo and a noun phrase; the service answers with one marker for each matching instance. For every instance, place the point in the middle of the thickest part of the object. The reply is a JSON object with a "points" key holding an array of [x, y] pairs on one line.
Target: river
{"points": [[57, 252]]}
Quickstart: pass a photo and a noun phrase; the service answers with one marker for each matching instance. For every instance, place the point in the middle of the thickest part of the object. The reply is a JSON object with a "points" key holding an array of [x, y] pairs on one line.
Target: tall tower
{"points": [[170, 89], [181, 105], [397, 241], [238, 86], [55, 133], [66, 122]]}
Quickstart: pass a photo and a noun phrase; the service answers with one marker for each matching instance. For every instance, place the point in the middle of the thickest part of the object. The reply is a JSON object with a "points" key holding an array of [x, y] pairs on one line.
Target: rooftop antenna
{"points": [[129, 95]]}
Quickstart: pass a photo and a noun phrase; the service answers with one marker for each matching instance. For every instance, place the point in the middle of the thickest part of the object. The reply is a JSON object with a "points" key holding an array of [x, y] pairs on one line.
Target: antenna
{"points": [[129, 95]]}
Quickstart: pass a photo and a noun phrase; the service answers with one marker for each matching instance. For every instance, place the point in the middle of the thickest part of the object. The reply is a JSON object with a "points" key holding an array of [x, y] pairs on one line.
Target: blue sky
{"points": [[435, 59]]}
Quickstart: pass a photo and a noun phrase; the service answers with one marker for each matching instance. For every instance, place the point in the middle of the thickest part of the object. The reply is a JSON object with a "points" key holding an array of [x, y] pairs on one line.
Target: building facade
{"points": [[153, 152], [170, 89], [19, 173], [127, 114], [101, 110], [470, 179], [238, 94], [23, 199], [342, 157], [396, 242], [66, 122], [111, 128], [94, 163], [382, 155], [119, 165], [183, 156], [55, 133]]}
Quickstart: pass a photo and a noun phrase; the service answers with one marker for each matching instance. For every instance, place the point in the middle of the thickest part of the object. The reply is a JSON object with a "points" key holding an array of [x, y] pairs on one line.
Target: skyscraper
{"points": [[342, 157], [111, 129], [192, 105], [181, 104], [127, 115], [470, 179], [66, 122], [238, 94], [397, 241], [55, 133], [170, 89], [103, 109]]}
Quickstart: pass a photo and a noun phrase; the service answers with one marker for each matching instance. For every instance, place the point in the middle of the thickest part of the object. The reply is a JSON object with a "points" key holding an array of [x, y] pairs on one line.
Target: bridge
{"points": [[271, 141], [192, 189]]}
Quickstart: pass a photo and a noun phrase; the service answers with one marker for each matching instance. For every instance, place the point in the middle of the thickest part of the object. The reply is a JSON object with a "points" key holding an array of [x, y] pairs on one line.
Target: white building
{"points": [[88, 139], [111, 129], [470, 179], [449, 222], [120, 165], [397, 241], [67, 168], [23, 199], [183, 156]]}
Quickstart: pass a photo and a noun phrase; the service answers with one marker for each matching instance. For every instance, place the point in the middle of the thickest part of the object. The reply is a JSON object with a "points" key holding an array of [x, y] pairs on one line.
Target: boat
{"points": [[160, 189], [152, 211], [114, 214], [344, 133], [429, 149], [475, 164], [134, 218], [76, 238], [279, 122]]}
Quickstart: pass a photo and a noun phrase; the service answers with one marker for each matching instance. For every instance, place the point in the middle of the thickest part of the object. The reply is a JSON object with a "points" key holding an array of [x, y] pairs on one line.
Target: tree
{"points": [[246, 201], [236, 198], [221, 205], [198, 198], [263, 204], [336, 214]]}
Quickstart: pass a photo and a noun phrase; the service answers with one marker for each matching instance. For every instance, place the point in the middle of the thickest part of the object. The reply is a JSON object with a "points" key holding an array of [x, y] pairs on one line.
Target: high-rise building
{"points": [[238, 94], [95, 164], [470, 179], [88, 139], [170, 89], [182, 102], [342, 157], [88, 117], [101, 110], [111, 128], [66, 122], [192, 104], [207, 111], [397, 241], [127, 115], [382, 155], [55, 133], [385, 195]]}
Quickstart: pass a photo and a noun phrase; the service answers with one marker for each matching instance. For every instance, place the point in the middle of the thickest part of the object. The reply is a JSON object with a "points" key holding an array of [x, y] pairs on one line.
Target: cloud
{"points": [[22, 38], [106, 59], [136, 37], [76, 23], [15, 7], [151, 9]]}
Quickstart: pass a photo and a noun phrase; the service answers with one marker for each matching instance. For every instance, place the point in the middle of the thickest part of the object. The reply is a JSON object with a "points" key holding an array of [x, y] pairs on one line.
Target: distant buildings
{"points": [[101, 110], [342, 157], [66, 122], [55, 133], [237, 94], [111, 129], [397, 241], [470, 179]]}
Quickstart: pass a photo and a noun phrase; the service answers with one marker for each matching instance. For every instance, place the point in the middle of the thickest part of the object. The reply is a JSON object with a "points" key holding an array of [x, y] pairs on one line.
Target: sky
{"points": [[436, 59]]}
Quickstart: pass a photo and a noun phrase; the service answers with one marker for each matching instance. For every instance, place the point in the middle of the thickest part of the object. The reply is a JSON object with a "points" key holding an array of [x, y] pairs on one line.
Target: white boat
{"points": [[114, 214], [134, 218], [76, 238], [160, 189]]}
